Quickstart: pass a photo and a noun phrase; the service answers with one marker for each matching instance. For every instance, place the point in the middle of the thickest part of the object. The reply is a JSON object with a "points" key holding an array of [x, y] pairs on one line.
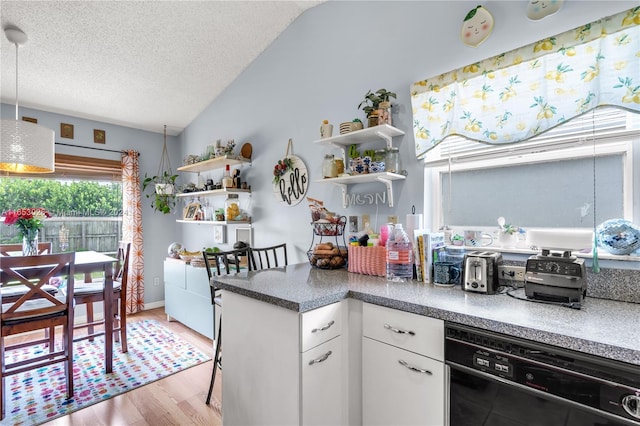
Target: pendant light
{"points": [[25, 147]]}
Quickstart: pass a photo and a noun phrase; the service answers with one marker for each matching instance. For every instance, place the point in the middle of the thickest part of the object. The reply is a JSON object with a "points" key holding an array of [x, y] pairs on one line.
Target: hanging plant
{"points": [[163, 183]]}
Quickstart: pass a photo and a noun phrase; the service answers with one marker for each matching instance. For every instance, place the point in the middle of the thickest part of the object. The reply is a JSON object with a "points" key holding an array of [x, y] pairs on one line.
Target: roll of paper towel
{"points": [[414, 221]]}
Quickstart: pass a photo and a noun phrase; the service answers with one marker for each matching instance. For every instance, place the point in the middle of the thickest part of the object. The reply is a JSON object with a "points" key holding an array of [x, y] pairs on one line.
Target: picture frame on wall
{"points": [[190, 211], [66, 130], [99, 136]]}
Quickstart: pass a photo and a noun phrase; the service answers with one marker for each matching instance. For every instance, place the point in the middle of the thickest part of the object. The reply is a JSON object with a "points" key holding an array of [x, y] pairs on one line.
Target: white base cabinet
{"points": [[403, 370], [281, 367], [187, 297], [394, 394]]}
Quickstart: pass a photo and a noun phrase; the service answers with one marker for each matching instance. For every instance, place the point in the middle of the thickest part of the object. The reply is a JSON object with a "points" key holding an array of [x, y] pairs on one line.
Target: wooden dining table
{"points": [[88, 262]]}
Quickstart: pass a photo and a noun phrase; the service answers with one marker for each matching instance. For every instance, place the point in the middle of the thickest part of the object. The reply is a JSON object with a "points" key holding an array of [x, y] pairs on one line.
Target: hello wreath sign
{"points": [[290, 178]]}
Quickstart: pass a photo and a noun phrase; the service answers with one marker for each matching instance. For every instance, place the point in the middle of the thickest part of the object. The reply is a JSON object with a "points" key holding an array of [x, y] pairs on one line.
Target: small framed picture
{"points": [[190, 211], [66, 130], [99, 136], [219, 234], [30, 119]]}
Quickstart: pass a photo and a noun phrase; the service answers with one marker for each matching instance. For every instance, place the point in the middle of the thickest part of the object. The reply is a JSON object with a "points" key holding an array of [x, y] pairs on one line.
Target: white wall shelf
{"points": [[215, 222], [384, 132], [214, 163], [214, 192]]}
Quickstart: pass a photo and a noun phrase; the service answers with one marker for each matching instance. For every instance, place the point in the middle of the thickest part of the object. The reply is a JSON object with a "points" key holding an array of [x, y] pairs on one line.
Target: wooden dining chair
{"points": [[269, 257], [44, 247], [92, 291], [222, 262], [37, 310]]}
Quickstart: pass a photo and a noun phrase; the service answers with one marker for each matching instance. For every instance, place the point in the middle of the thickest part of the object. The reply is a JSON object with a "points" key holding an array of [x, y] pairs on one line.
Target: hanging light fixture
{"points": [[25, 147]]}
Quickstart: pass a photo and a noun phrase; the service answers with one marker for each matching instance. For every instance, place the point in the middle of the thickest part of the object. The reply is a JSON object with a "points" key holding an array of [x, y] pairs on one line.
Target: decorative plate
{"points": [[618, 236]]}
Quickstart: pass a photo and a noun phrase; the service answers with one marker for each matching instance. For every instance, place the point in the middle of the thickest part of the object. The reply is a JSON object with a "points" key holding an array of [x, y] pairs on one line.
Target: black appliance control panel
{"points": [[598, 383]]}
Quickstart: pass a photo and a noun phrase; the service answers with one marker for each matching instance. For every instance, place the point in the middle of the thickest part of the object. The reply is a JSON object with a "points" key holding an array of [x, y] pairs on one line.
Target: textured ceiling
{"points": [[140, 64]]}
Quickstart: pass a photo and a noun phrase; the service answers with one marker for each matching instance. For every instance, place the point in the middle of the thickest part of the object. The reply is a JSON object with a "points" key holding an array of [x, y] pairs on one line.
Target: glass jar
{"points": [[392, 160], [329, 167], [339, 166], [232, 207], [380, 155], [384, 113]]}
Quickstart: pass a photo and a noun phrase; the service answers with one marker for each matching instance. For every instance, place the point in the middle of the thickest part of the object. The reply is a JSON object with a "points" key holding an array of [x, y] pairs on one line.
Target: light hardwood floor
{"points": [[174, 400]]}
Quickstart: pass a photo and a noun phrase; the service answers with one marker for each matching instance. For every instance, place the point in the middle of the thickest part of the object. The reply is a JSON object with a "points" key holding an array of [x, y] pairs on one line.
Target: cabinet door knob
{"points": [[412, 368], [326, 327], [322, 358], [397, 330]]}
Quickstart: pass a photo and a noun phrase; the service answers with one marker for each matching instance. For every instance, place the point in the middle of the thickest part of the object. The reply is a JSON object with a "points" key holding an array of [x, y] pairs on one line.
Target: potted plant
{"points": [[164, 197], [371, 105], [163, 183]]}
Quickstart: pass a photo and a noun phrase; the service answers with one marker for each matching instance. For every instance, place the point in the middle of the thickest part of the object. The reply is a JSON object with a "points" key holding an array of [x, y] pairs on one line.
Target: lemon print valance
{"points": [[520, 94]]}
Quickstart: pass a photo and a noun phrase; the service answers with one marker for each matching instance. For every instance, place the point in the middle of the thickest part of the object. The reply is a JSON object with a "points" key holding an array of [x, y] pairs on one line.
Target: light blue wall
{"points": [[321, 67], [158, 229]]}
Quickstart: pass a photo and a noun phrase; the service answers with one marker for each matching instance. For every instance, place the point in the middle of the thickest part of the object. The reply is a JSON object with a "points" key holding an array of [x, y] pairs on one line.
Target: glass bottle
{"points": [[392, 160], [227, 180], [329, 166]]}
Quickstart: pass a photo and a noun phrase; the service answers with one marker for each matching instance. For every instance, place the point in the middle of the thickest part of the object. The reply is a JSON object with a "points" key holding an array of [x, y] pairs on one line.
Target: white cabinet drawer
{"points": [[415, 333], [320, 325]]}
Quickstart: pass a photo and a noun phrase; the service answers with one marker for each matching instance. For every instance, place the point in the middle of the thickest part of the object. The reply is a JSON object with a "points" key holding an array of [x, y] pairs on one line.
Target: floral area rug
{"points": [[38, 395]]}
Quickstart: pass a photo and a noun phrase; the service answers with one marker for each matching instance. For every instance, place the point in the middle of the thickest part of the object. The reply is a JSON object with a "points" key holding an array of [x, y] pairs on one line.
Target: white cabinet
{"points": [[321, 384], [403, 370], [282, 367], [187, 296], [384, 132]]}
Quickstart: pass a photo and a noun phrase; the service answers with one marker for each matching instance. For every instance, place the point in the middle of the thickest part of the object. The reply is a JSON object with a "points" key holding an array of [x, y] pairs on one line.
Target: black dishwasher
{"points": [[499, 380]]}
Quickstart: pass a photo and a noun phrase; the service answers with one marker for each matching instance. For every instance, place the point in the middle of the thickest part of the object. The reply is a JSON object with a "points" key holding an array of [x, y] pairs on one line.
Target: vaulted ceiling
{"points": [[140, 64]]}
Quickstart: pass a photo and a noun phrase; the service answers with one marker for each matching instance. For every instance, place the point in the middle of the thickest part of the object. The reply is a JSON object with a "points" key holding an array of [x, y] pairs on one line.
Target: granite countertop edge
{"points": [[321, 290]]}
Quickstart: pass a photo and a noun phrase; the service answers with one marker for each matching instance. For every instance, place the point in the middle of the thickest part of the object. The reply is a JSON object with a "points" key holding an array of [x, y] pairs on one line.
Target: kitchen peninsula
{"points": [[603, 328]]}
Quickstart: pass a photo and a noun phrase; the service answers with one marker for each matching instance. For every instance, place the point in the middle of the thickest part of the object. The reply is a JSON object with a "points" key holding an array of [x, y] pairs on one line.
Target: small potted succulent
{"points": [[376, 102], [457, 240]]}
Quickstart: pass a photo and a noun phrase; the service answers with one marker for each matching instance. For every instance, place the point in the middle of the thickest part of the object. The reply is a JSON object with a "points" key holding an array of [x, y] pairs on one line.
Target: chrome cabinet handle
{"points": [[326, 327], [397, 330], [412, 368], [322, 358]]}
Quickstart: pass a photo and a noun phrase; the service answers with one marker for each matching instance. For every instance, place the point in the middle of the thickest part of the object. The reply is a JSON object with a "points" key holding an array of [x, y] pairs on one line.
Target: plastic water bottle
{"points": [[399, 255]]}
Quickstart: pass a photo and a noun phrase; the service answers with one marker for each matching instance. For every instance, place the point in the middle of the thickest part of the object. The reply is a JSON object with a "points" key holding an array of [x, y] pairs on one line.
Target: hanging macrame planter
{"points": [[290, 178], [164, 199]]}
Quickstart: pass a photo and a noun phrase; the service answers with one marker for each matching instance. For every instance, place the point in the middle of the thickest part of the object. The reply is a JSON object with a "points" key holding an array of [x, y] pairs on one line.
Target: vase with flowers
{"points": [[29, 222]]}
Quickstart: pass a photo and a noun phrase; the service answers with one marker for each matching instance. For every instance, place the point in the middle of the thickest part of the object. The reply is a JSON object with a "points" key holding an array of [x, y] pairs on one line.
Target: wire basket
{"points": [[328, 261], [330, 228]]}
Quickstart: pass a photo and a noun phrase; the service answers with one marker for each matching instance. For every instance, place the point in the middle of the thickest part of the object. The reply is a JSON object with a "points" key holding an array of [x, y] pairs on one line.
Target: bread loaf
{"points": [[324, 246]]}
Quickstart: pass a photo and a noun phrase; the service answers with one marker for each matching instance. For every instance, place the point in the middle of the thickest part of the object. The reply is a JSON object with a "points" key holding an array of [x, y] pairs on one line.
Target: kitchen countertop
{"points": [[606, 328]]}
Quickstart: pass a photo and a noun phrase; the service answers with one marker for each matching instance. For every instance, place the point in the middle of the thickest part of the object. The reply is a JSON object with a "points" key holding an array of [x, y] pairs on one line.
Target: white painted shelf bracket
{"points": [[342, 149], [343, 188], [389, 184], [386, 137]]}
